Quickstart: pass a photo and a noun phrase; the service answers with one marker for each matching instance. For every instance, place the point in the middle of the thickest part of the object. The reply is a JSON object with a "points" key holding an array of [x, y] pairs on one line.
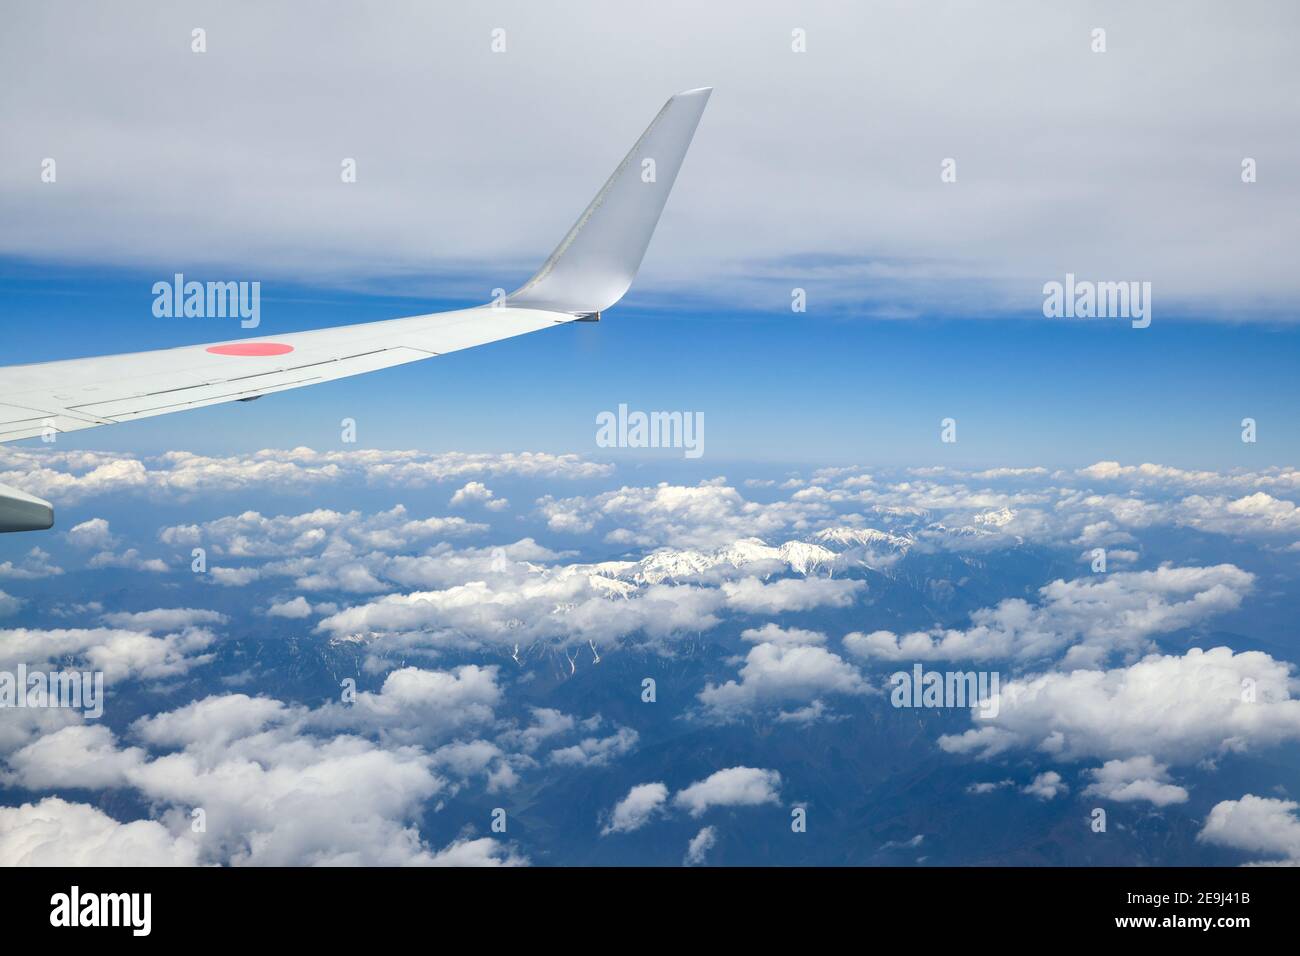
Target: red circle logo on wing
{"points": [[251, 348]]}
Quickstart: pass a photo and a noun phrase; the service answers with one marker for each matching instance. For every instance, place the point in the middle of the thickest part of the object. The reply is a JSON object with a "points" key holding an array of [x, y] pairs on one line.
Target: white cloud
{"points": [[130, 559], [1149, 474], [994, 474], [470, 758], [77, 609], [80, 756], [22, 726], [121, 653], [775, 634], [272, 793], [475, 492], [635, 810], [734, 787], [700, 846], [443, 565], [322, 533], [164, 619], [1093, 617], [1257, 514], [10, 604], [55, 832], [955, 516], [910, 267], [418, 706], [780, 673], [989, 786], [789, 594], [35, 565], [810, 714], [67, 477], [296, 608], [233, 577], [547, 724], [1138, 778], [710, 514], [1256, 825], [596, 751], [1046, 786], [213, 722], [1126, 712], [352, 552], [484, 851], [563, 607], [94, 533]]}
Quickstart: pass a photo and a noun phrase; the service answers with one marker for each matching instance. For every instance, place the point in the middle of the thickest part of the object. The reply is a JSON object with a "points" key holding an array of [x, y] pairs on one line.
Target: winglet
{"points": [[595, 264]]}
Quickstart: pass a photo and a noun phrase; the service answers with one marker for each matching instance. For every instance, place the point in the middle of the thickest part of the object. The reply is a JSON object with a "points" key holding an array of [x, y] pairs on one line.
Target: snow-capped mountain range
{"points": [[827, 551], [830, 550]]}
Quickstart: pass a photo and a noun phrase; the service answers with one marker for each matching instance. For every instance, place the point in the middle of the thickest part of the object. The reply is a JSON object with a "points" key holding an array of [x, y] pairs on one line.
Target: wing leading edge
{"points": [[589, 271]]}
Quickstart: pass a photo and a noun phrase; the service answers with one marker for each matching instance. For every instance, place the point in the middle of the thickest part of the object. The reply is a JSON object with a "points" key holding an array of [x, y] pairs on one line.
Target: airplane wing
{"points": [[588, 272], [83, 393]]}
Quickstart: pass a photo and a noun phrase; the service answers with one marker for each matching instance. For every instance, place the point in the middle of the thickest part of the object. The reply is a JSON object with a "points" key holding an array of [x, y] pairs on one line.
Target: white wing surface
{"points": [[83, 393]]}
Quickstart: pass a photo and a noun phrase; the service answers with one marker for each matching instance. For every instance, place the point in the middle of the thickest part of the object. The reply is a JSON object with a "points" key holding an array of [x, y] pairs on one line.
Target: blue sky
{"points": [[823, 386]]}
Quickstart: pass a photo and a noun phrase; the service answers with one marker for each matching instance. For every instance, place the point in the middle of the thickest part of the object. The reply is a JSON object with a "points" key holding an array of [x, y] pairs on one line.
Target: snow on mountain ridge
{"points": [[1000, 518], [668, 564], [847, 537]]}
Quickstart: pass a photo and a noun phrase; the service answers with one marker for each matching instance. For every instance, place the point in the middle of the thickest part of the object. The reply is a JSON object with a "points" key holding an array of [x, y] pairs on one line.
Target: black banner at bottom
{"points": [[334, 906]]}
